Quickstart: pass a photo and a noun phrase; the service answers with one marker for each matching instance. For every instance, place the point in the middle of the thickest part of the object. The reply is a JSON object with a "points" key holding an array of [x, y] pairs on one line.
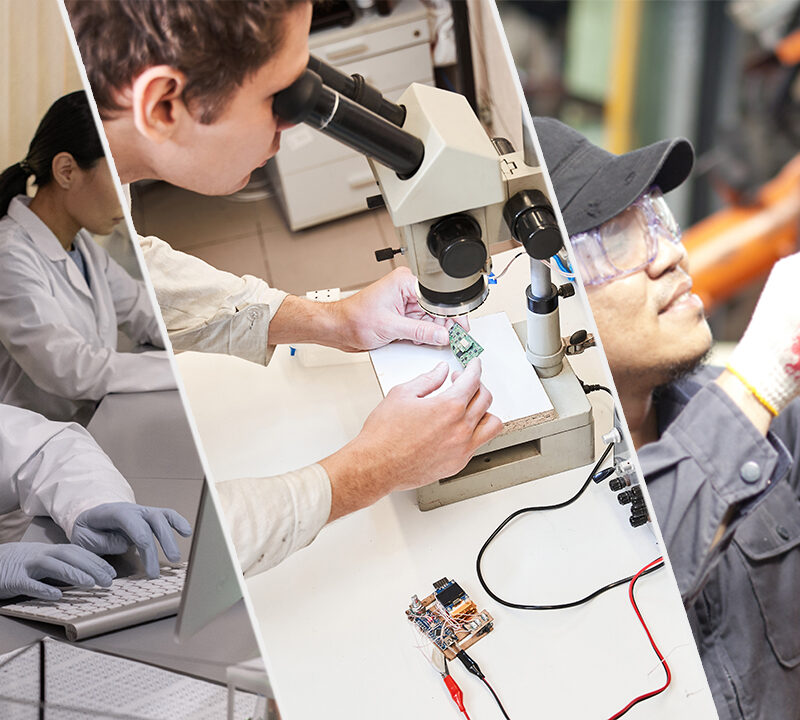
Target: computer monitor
{"points": [[212, 582]]}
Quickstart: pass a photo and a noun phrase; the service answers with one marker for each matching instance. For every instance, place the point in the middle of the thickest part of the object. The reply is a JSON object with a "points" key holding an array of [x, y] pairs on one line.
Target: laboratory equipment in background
{"points": [[451, 192], [317, 179]]}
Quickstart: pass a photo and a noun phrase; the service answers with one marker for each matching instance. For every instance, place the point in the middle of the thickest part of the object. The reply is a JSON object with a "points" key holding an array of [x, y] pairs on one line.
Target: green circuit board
{"points": [[463, 345]]}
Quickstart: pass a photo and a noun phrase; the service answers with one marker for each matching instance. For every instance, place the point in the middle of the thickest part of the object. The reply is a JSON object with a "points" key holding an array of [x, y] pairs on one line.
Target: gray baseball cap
{"points": [[593, 185]]}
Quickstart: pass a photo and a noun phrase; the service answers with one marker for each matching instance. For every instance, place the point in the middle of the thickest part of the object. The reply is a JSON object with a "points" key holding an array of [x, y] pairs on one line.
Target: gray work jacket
{"points": [[743, 595]]}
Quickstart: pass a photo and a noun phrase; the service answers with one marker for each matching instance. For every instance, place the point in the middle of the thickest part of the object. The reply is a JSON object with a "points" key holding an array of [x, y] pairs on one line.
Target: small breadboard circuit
{"points": [[449, 618], [463, 345]]}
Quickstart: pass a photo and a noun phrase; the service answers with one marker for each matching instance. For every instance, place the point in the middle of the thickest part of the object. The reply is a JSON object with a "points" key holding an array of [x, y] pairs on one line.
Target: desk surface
{"points": [[147, 434], [334, 611]]}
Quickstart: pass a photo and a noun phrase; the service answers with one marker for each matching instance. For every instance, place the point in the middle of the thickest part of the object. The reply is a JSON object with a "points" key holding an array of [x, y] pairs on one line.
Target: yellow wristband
{"points": [[757, 395]]}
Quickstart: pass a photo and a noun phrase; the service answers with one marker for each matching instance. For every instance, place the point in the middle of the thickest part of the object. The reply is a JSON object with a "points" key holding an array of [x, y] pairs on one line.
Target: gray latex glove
{"points": [[24, 564], [110, 529]]}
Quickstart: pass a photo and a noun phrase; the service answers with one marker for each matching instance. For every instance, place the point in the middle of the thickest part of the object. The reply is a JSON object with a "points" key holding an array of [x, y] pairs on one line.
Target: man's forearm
{"points": [[299, 320], [355, 484]]}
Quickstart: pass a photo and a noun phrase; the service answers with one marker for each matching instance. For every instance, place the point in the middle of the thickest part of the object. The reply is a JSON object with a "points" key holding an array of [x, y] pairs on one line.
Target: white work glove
{"points": [[767, 358], [24, 564], [111, 528]]}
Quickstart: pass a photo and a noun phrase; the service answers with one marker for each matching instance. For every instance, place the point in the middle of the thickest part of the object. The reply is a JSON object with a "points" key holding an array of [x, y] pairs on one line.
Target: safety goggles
{"points": [[628, 242]]}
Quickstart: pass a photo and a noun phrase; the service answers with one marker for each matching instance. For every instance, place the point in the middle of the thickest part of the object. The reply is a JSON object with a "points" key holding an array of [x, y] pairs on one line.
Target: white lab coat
{"points": [[58, 334], [55, 469]]}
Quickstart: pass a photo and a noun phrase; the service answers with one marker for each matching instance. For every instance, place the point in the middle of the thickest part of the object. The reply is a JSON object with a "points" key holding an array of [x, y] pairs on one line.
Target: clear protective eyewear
{"points": [[628, 242]]}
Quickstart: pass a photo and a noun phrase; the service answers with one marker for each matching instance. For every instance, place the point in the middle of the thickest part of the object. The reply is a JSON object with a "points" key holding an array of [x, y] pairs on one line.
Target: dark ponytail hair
{"points": [[68, 126]]}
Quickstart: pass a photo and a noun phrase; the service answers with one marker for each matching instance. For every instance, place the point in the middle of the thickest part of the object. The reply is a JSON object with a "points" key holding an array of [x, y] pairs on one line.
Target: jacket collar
{"points": [[47, 243], [672, 398]]}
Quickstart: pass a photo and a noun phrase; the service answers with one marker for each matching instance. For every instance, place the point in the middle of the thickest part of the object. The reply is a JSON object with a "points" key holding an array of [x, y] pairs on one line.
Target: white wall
{"points": [[495, 84], [36, 68]]}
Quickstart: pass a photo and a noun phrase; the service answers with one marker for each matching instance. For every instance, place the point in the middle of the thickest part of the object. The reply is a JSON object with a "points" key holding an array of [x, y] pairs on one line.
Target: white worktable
{"points": [[148, 437], [332, 616]]}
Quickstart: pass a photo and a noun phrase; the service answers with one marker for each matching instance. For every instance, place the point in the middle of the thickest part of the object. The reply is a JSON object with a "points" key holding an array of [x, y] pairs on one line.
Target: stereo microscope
{"points": [[451, 192]]}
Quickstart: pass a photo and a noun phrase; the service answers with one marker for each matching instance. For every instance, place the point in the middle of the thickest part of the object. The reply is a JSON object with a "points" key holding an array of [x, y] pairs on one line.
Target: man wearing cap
{"points": [[717, 447]]}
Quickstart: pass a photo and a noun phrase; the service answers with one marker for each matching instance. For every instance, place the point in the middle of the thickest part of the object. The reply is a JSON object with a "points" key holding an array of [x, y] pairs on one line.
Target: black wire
{"points": [[497, 699], [594, 388], [42, 689], [539, 508]]}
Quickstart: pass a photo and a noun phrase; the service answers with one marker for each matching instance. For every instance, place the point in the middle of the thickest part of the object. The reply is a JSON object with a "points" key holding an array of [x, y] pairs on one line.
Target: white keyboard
{"points": [[87, 612]]}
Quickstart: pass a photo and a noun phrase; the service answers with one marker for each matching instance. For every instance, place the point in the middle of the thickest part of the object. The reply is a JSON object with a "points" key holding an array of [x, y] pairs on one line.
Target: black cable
{"points": [[535, 508], [42, 691], [539, 508], [473, 668], [632, 579], [587, 388], [497, 699]]}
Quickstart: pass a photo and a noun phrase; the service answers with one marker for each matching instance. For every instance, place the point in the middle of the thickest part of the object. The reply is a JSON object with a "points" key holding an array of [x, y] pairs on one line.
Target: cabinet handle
{"points": [[348, 52]]}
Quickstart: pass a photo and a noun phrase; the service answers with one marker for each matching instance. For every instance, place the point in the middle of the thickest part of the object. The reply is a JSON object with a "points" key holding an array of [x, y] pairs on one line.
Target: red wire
{"points": [[652, 693]]}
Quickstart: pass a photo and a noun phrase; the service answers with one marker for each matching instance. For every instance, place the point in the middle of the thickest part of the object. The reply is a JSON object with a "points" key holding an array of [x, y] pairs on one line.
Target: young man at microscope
{"points": [[718, 448], [185, 91]]}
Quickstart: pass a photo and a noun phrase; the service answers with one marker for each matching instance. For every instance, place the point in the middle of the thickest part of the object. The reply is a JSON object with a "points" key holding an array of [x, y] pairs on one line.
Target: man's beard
{"points": [[671, 373]]}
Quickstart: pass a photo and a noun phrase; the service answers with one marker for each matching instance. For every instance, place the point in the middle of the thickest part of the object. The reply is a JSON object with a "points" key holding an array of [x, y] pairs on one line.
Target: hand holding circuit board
{"points": [[506, 372], [463, 345]]}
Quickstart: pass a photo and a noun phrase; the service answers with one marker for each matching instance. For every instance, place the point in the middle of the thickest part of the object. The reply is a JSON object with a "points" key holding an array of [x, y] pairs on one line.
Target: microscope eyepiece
{"points": [[310, 101], [358, 90], [296, 103]]}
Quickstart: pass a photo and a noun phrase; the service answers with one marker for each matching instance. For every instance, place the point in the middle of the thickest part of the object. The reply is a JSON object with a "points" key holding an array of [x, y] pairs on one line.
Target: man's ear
{"points": [[158, 107], [63, 169]]}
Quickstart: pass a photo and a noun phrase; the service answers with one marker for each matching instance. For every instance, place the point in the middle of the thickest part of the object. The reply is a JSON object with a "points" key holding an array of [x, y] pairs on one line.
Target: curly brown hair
{"points": [[216, 44]]}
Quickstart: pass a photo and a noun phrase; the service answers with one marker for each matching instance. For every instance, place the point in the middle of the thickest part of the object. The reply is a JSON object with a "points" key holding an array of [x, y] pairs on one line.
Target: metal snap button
{"points": [[750, 472]]}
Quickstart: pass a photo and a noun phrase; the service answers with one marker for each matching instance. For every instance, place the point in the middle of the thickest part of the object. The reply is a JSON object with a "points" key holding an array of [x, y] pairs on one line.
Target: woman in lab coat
{"points": [[62, 298]]}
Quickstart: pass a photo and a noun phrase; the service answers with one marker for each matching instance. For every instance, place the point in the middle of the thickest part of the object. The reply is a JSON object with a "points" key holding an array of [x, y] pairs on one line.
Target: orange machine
{"points": [[739, 244]]}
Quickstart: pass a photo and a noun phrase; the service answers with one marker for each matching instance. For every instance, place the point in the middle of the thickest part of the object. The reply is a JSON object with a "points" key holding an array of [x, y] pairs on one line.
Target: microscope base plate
{"points": [[563, 443]]}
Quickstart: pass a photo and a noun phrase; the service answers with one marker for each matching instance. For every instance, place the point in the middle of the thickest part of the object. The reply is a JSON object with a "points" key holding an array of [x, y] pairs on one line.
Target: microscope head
{"points": [[449, 189], [467, 193], [440, 210]]}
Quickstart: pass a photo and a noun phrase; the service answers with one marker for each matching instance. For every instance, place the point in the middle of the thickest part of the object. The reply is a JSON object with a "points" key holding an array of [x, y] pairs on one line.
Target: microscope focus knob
{"points": [[530, 218], [455, 241]]}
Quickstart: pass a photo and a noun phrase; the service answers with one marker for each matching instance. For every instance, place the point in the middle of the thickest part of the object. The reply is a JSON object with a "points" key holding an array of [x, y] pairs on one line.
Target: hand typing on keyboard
{"points": [[24, 565], [111, 528]]}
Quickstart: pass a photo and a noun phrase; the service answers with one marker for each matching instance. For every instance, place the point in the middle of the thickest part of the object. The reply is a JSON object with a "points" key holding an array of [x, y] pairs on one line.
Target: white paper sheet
{"points": [[516, 389]]}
